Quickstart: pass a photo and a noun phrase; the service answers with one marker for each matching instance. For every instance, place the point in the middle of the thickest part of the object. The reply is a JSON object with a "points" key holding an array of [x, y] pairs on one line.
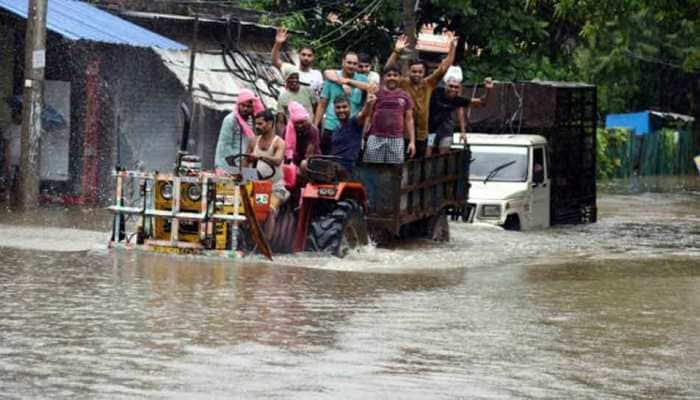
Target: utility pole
{"points": [[33, 99], [409, 21]]}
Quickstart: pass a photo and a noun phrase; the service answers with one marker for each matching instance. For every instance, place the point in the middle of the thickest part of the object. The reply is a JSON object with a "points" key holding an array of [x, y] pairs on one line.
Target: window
{"points": [[498, 163], [538, 165]]}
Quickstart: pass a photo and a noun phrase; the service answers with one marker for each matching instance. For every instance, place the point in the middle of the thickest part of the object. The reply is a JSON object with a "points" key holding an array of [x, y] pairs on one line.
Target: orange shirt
{"points": [[420, 94]]}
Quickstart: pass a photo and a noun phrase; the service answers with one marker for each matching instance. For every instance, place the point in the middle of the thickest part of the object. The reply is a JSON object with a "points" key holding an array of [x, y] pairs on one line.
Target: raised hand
{"points": [[401, 43], [488, 83], [281, 35], [452, 39]]}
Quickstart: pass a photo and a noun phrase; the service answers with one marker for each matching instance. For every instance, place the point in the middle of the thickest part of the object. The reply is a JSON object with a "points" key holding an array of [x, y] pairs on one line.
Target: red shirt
{"points": [[389, 113]]}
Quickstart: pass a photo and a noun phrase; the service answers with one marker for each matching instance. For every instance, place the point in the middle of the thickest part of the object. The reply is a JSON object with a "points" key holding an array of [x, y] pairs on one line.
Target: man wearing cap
{"points": [[236, 130], [444, 103], [293, 91]]}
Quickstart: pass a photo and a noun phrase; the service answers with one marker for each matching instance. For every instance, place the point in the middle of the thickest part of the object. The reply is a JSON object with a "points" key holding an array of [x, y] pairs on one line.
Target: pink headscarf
{"points": [[297, 113], [243, 96]]}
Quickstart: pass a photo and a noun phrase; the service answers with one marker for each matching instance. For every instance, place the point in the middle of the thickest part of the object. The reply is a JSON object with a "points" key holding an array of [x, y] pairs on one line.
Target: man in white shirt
{"points": [[307, 75]]}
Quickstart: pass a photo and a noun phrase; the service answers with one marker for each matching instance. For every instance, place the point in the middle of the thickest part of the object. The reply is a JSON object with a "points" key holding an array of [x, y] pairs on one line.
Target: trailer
{"points": [[416, 198]]}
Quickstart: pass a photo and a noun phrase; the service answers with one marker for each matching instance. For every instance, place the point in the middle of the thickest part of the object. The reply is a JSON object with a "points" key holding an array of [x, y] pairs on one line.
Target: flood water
{"points": [[603, 311]]}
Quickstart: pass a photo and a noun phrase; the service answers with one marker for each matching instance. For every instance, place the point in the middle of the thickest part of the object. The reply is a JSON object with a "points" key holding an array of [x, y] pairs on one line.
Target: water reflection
{"points": [[607, 310], [215, 303], [621, 328]]}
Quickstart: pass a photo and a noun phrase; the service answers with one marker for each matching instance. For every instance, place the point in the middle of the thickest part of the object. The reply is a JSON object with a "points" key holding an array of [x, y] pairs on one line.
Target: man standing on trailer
{"points": [[331, 89], [420, 87], [392, 119], [308, 76], [444, 103]]}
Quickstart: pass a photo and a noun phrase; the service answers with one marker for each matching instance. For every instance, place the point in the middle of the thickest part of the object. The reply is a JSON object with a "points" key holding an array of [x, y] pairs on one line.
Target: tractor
{"points": [[197, 212]]}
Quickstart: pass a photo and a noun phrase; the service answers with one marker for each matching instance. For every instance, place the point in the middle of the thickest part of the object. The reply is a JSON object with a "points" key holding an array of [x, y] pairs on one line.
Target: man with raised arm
{"points": [[308, 76], [392, 120], [348, 135], [445, 103], [420, 86]]}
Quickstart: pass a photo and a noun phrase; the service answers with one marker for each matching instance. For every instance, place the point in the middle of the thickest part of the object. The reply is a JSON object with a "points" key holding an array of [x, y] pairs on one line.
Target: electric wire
{"points": [[364, 11], [353, 29]]}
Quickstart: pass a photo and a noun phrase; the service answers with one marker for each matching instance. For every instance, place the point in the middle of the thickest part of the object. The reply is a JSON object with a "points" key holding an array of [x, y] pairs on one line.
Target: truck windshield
{"points": [[488, 162]]}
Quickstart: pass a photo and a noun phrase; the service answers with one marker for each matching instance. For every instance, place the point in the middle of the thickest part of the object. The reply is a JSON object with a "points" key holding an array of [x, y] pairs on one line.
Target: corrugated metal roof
{"points": [[78, 20], [215, 86]]}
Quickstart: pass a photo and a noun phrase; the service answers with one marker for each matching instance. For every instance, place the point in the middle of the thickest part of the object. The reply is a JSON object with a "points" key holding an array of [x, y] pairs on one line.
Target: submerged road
{"points": [[605, 311]]}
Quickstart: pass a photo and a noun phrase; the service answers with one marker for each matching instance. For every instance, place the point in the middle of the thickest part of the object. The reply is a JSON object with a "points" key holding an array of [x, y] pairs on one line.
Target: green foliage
{"points": [[612, 151], [640, 53]]}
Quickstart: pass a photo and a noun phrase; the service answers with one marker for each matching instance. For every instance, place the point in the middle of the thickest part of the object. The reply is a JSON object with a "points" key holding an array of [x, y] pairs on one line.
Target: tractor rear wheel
{"points": [[338, 231]]}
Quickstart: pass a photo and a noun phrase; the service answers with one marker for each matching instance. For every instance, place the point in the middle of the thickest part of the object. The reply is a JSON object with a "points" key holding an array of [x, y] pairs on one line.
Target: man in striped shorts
{"points": [[391, 115]]}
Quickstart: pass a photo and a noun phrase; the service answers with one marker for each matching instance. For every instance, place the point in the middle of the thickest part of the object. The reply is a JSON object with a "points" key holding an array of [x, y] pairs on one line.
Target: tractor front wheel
{"points": [[340, 230]]}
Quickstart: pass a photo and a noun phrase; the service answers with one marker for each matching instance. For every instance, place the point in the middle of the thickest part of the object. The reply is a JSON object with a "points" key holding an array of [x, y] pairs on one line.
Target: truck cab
{"points": [[510, 180]]}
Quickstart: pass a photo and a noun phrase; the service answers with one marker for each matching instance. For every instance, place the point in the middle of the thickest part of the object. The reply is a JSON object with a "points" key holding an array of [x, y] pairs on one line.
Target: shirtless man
{"points": [[269, 147]]}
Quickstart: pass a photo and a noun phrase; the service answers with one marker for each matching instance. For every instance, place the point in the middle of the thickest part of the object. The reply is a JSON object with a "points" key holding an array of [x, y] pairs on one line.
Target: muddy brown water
{"points": [[603, 311]]}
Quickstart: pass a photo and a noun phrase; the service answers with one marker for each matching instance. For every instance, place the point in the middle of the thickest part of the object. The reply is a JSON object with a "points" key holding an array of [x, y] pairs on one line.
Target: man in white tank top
{"points": [[269, 147]]}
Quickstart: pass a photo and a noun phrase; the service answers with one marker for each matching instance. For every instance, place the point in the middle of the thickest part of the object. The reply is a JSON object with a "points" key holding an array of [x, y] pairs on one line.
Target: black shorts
{"points": [[421, 145]]}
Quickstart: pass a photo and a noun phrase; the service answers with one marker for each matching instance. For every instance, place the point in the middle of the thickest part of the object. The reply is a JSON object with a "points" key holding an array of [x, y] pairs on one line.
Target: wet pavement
{"points": [[607, 310]]}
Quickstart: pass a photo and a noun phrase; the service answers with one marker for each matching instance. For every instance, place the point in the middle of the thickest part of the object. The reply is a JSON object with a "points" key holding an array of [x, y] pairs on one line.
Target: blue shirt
{"points": [[347, 141], [331, 90]]}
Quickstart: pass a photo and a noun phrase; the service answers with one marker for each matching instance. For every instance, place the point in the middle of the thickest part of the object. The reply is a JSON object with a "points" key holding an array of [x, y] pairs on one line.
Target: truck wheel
{"points": [[439, 228], [512, 223], [338, 231]]}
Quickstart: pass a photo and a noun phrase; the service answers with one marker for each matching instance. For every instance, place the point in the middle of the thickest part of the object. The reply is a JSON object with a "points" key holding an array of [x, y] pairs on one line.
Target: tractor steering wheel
{"points": [[324, 157], [232, 161]]}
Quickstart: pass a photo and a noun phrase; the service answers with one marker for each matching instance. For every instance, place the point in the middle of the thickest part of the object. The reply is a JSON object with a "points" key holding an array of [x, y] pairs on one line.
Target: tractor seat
{"points": [[324, 170]]}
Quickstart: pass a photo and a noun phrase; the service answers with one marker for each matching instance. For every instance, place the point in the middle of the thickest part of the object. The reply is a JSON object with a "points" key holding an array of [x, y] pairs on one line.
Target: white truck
{"points": [[510, 180]]}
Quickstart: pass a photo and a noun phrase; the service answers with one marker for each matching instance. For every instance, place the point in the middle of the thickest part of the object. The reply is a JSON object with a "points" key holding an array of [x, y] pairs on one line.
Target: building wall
{"points": [[141, 122], [145, 99]]}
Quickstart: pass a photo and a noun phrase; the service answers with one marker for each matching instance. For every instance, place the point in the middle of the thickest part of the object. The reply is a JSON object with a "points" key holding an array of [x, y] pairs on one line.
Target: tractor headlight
{"points": [[194, 192], [327, 191], [491, 211], [166, 191]]}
